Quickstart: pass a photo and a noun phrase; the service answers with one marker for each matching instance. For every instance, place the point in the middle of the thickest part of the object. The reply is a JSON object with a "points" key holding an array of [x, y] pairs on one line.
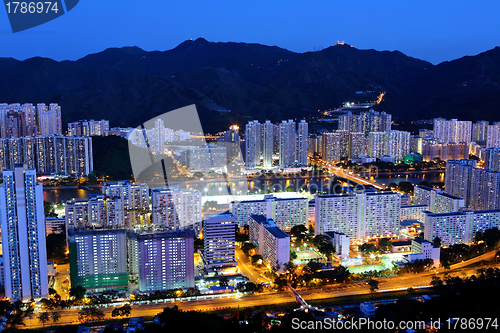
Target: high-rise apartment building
{"points": [[416, 144], [23, 235], [357, 144], [49, 154], [492, 159], [370, 214], [459, 227], [458, 178], [219, 234], [231, 140], [302, 136], [349, 122], [49, 119], [97, 211], [431, 149], [335, 146], [253, 144], [135, 199], [452, 131], [88, 127], [493, 136], [287, 143], [207, 158], [397, 144], [98, 259], [162, 260], [437, 200], [286, 212], [176, 208], [480, 132], [376, 144], [268, 144]]}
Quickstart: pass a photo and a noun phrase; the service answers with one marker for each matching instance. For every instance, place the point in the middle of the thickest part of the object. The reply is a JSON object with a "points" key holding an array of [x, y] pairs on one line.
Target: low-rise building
{"points": [[54, 225], [412, 212], [422, 249], [340, 242], [272, 242]]}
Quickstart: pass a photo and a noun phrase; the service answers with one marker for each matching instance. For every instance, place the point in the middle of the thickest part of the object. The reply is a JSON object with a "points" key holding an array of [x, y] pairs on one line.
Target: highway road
{"points": [[401, 282]]}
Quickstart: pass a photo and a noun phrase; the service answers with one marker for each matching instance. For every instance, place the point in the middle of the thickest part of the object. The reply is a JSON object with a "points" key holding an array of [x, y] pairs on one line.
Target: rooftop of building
{"points": [[165, 234], [401, 243], [409, 222], [413, 206], [449, 195], [271, 198], [423, 241], [277, 232], [427, 188], [85, 232], [486, 211], [428, 213], [259, 218], [331, 234]]}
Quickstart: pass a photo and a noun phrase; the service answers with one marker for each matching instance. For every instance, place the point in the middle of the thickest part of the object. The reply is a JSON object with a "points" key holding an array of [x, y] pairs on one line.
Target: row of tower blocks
{"points": [[116, 237]]}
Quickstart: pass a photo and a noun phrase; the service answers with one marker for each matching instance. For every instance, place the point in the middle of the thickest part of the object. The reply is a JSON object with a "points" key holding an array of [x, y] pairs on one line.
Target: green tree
{"points": [[368, 248], [436, 282], [126, 310], [116, 312], [223, 282], [437, 241], [385, 244], [55, 317], [256, 258], [247, 248], [373, 286], [43, 317], [78, 292]]}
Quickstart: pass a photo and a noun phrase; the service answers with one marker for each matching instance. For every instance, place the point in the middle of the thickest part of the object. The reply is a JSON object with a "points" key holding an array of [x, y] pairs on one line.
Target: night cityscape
{"points": [[243, 167]]}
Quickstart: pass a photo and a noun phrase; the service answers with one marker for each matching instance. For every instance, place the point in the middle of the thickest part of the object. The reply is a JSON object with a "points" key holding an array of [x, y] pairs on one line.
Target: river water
{"points": [[208, 187]]}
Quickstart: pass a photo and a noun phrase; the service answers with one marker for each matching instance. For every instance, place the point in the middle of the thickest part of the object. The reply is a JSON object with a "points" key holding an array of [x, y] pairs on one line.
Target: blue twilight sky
{"points": [[435, 30]]}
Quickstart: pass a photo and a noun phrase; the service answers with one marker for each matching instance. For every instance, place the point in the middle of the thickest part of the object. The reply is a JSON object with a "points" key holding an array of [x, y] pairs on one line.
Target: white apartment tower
{"points": [[452, 131], [287, 143], [371, 214], [302, 136], [176, 208], [253, 144], [23, 235], [267, 144]]}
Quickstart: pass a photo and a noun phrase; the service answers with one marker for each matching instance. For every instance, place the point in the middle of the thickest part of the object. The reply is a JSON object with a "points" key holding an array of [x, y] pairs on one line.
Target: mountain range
{"points": [[234, 82]]}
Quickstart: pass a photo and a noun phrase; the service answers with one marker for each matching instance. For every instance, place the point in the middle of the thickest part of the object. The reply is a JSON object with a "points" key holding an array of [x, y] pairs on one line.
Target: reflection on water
{"points": [[414, 178], [264, 185], [65, 193]]}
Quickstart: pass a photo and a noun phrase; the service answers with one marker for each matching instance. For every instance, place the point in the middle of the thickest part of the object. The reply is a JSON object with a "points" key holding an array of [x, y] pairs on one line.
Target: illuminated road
{"points": [[349, 176], [256, 275], [402, 282], [62, 282]]}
